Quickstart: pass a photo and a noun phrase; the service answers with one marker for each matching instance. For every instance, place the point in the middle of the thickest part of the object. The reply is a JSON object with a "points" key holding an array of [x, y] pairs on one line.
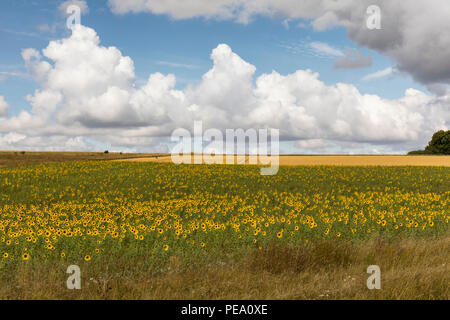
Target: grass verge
{"points": [[410, 269]]}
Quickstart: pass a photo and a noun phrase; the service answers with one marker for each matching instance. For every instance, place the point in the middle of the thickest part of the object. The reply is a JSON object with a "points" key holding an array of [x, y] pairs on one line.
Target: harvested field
{"points": [[338, 160]]}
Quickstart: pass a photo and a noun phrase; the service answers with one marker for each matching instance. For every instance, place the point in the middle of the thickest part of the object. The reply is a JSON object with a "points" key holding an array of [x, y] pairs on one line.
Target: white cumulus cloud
{"points": [[88, 98]]}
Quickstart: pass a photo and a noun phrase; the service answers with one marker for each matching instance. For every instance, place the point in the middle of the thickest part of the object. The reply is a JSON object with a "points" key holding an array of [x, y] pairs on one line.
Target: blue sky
{"points": [[282, 39]]}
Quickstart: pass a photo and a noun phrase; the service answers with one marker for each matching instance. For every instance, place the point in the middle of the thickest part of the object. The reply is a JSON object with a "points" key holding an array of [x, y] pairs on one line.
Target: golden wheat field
{"points": [[330, 160], [164, 231]]}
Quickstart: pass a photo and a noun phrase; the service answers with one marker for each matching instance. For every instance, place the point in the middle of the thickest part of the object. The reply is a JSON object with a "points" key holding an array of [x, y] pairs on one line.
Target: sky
{"points": [[134, 71]]}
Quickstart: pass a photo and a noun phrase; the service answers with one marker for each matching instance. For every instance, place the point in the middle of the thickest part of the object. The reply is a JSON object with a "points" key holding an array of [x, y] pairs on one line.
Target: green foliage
{"points": [[439, 144], [419, 152]]}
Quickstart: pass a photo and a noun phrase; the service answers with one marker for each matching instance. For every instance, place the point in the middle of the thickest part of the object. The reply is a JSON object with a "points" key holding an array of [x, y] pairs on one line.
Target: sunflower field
{"points": [[83, 211]]}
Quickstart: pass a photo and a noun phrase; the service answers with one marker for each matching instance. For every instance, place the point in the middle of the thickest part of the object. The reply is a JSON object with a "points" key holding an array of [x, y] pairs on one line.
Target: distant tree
{"points": [[106, 151], [439, 144], [419, 152]]}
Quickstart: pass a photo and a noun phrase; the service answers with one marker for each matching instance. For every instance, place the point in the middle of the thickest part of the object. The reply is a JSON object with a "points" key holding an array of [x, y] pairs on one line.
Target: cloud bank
{"points": [[88, 97]]}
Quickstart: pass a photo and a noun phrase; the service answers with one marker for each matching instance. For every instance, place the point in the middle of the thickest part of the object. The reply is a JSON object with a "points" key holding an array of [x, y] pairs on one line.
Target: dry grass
{"points": [[337, 160], [411, 269]]}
